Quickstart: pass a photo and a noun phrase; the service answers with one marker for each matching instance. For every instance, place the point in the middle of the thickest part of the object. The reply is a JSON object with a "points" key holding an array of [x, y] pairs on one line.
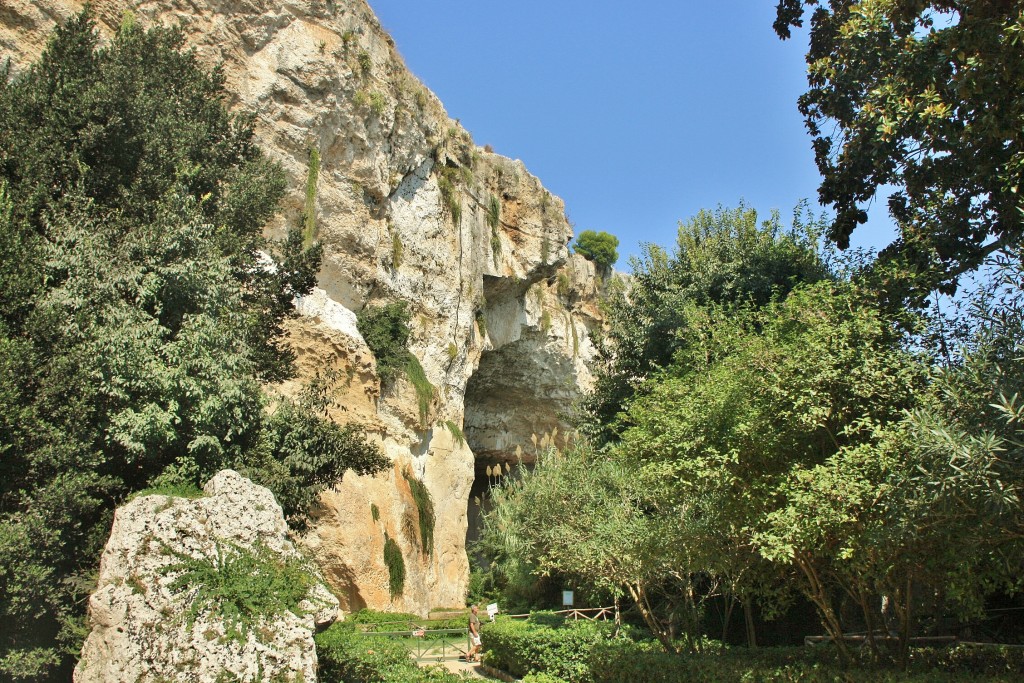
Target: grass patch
{"points": [[545, 321], [563, 287], [456, 433], [375, 512], [425, 508], [377, 103], [397, 250], [481, 321], [240, 586], [450, 195]]}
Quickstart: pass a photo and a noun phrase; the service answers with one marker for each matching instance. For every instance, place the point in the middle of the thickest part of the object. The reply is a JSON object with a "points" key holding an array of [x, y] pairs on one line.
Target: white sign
{"points": [[492, 609], [567, 598]]}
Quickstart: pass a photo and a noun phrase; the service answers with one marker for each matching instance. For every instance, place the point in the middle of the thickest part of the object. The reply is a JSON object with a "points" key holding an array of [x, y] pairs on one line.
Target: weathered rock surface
{"points": [[141, 628], [409, 208]]}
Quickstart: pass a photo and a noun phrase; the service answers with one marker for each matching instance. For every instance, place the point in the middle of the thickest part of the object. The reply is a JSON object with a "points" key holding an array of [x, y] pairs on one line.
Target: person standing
{"points": [[474, 633]]}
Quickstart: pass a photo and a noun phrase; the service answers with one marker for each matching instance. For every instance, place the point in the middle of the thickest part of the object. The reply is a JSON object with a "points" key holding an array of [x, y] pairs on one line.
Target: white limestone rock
{"points": [[141, 628]]}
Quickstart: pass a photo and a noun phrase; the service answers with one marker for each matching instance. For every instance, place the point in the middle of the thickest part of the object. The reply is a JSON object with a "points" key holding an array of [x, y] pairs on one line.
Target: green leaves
{"points": [[913, 95], [240, 587]]}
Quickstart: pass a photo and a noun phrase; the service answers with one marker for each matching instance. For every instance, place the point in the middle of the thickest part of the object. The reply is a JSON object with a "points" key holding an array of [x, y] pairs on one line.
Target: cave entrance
{"points": [[515, 398]]}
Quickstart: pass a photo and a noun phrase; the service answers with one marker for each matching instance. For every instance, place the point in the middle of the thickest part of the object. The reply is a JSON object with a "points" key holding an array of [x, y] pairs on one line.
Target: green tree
{"points": [[920, 96], [585, 518], [769, 393], [599, 247], [726, 256]]}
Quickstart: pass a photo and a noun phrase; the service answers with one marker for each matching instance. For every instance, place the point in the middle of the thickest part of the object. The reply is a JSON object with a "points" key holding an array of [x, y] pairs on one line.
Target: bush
{"points": [[599, 247], [347, 656], [548, 649], [241, 586], [620, 660], [524, 647]]}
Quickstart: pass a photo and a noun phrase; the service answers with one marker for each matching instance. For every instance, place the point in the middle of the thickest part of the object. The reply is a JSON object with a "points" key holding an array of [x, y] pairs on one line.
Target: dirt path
{"points": [[472, 668]]}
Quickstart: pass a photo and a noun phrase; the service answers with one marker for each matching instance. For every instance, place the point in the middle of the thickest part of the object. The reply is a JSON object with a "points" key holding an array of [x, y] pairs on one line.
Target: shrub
{"points": [[621, 660], [541, 678], [599, 247], [521, 648], [305, 451], [241, 586], [344, 655]]}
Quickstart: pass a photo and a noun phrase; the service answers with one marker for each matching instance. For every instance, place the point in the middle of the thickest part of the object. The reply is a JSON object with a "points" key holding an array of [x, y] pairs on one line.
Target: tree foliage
{"points": [[141, 308], [599, 247], [921, 96], [726, 257], [798, 436]]}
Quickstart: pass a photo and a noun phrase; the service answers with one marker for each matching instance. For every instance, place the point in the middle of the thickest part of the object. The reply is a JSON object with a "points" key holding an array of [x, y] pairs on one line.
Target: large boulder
{"points": [[202, 590]]}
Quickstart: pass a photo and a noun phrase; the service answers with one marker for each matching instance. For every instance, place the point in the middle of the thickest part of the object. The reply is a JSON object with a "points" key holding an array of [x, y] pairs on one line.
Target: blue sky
{"points": [[636, 114]]}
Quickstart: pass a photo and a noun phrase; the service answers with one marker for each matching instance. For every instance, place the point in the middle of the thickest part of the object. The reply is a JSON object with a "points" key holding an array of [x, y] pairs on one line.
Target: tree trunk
{"points": [[748, 620], [818, 595], [618, 616], [869, 621], [640, 598], [730, 604], [905, 615]]}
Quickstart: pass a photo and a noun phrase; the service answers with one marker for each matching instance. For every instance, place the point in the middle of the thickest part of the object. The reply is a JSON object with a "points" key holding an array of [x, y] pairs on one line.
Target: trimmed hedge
{"points": [[402, 621], [348, 657], [546, 650], [528, 647], [620, 660]]}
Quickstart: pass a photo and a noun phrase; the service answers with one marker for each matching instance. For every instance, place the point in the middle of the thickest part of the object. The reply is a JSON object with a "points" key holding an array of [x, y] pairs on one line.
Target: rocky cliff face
{"points": [[149, 619], [409, 208]]}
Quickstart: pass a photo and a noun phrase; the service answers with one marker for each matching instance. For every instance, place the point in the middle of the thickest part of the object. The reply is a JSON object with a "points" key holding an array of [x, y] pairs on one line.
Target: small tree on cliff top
{"points": [[599, 247]]}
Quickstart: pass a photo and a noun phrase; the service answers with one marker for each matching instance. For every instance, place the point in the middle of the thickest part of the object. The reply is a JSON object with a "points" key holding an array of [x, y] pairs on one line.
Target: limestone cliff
{"points": [[407, 207]]}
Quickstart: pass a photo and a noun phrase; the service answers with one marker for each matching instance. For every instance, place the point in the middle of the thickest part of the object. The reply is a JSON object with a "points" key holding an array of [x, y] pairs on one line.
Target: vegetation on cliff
{"points": [[599, 247]]}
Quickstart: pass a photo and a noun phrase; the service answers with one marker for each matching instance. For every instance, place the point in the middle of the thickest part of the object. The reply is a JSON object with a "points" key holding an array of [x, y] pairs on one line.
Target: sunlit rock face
{"points": [[407, 208]]}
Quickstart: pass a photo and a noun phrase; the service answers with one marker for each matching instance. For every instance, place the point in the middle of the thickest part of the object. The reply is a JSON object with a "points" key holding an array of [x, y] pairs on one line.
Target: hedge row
{"points": [[525, 647], [587, 653], [617, 661], [377, 621], [346, 656]]}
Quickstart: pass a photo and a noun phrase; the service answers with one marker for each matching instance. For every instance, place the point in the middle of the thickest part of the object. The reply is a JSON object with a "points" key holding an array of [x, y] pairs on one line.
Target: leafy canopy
{"points": [[922, 96], [726, 256]]}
